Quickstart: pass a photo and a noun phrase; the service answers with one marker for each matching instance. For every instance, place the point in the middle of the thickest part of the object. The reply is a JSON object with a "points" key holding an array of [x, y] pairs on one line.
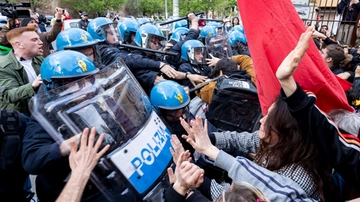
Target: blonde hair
{"points": [[15, 33], [242, 192]]}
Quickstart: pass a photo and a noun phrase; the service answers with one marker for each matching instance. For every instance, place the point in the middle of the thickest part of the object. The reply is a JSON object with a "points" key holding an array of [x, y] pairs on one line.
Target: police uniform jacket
{"points": [[41, 156]]}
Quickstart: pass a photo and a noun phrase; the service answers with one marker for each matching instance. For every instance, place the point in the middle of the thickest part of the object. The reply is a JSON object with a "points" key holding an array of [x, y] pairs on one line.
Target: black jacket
{"points": [[176, 60], [172, 196], [41, 156], [13, 176], [83, 24], [203, 70], [339, 149]]}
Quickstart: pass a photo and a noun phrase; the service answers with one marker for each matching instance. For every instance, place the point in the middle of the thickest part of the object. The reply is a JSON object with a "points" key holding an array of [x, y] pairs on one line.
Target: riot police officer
{"points": [[238, 43], [194, 53], [41, 154], [79, 40]]}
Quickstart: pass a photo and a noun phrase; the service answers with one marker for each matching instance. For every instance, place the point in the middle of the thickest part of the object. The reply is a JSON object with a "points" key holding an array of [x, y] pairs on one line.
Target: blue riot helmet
{"points": [[172, 101], [194, 52], [207, 31], [104, 29], [218, 27], [128, 29], [179, 34], [65, 66], [238, 42], [181, 23], [169, 95], [149, 36], [238, 28], [143, 21], [74, 38], [210, 23], [237, 37]]}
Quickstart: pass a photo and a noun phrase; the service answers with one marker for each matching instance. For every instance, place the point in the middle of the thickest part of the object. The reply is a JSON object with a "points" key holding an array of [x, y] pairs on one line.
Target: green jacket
{"points": [[15, 89]]}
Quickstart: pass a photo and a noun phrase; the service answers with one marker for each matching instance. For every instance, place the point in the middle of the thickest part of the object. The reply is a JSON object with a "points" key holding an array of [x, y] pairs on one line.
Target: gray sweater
{"points": [[276, 187]]}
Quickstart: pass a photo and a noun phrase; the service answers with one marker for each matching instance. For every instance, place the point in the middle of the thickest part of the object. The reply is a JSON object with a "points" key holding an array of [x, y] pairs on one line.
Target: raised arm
{"points": [[337, 148]]}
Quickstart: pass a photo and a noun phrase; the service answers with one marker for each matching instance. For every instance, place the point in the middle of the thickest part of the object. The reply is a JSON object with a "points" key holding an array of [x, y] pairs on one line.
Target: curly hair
{"points": [[226, 65]]}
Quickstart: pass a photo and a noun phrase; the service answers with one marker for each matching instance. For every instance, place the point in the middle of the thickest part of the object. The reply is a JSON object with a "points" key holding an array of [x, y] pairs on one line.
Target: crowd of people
{"points": [[293, 152]]}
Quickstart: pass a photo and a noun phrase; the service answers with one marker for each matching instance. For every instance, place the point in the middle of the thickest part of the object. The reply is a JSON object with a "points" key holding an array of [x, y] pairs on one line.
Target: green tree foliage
{"points": [[222, 7], [95, 6], [151, 7], [132, 8]]}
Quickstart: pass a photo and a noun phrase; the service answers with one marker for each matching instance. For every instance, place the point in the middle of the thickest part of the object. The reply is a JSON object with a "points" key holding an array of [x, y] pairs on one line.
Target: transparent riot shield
{"points": [[219, 45], [113, 102]]}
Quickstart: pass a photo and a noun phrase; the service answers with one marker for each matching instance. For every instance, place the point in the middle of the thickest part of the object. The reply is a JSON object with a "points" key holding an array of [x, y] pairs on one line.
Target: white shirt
{"points": [[27, 64]]}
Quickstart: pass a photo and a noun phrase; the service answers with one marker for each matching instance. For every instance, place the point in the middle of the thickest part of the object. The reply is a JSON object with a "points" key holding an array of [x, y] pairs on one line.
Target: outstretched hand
{"points": [[187, 176], [198, 137], [196, 78], [85, 159], [169, 71], [178, 149], [292, 60], [213, 61]]}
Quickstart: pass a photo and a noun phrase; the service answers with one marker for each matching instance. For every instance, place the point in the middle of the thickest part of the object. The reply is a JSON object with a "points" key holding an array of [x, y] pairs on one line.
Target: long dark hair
{"points": [[232, 22], [292, 146]]}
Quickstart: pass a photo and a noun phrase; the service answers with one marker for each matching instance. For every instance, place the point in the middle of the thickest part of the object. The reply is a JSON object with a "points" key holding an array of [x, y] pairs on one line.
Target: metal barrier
{"points": [[324, 12]]}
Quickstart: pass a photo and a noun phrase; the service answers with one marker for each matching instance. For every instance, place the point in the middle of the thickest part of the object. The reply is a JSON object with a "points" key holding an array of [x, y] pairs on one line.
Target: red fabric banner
{"points": [[273, 28]]}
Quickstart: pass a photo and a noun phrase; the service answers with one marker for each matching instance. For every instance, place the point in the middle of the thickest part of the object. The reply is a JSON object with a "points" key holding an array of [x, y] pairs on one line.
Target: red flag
{"points": [[273, 28]]}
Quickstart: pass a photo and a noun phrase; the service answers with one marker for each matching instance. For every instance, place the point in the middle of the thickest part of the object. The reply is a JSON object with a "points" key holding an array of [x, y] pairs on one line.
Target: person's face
{"points": [[262, 133], [325, 56], [358, 49], [84, 17], [31, 44], [323, 30], [132, 35], [89, 52], [36, 18], [112, 36], [174, 115], [154, 43], [33, 23], [236, 21], [199, 56]]}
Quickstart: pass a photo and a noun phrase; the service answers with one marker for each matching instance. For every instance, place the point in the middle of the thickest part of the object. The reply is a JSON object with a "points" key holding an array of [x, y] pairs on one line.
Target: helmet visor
{"points": [[111, 33], [219, 46], [197, 55], [154, 42]]}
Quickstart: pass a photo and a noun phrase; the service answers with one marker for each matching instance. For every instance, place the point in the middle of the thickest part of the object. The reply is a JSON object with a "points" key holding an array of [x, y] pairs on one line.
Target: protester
{"points": [[349, 10], [82, 162], [20, 69], [46, 37], [313, 188], [41, 154]]}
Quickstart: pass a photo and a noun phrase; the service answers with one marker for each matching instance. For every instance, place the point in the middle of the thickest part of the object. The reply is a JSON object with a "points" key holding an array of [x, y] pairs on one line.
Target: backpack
{"points": [[10, 137], [235, 105]]}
